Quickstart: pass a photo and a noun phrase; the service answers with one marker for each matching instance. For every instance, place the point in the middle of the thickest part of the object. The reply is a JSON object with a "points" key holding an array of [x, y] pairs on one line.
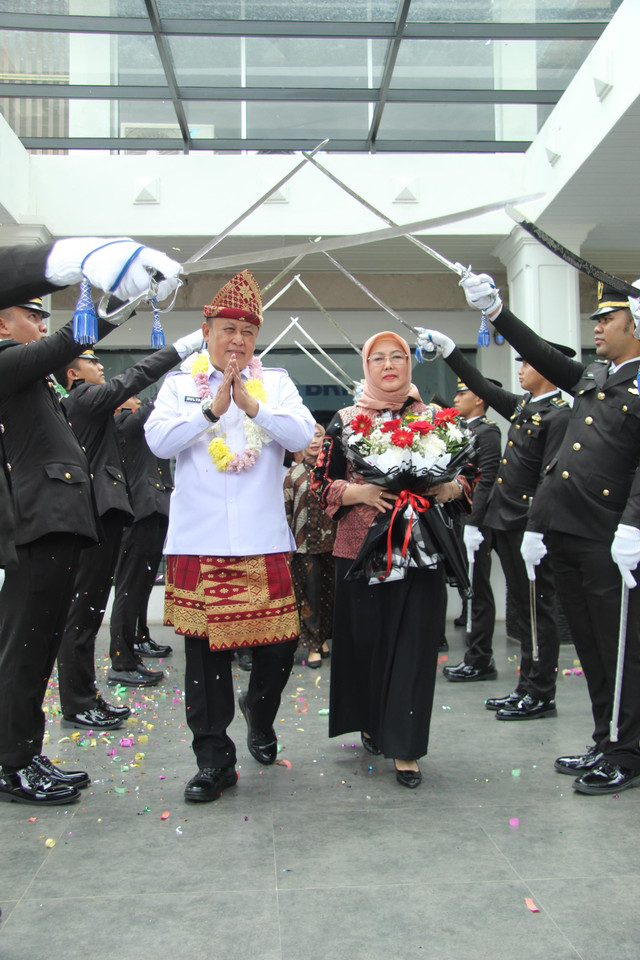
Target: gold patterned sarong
{"points": [[232, 601]]}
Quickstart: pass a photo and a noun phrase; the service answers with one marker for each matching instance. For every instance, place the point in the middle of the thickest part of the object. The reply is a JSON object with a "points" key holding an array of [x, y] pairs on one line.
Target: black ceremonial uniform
{"points": [[591, 485], [483, 609], [90, 410], [536, 431], [55, 516], [150, 487]]}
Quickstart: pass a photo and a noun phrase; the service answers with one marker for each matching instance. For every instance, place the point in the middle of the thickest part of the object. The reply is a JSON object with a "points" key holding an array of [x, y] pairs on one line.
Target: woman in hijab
{"points": [[385, 636]]}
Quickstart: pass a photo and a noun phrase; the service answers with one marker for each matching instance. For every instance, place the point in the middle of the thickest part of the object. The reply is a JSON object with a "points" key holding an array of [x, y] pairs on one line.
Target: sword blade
{"points": [[534, 621], [584, 266], [354, 240], [322, 366], [622, 644]]}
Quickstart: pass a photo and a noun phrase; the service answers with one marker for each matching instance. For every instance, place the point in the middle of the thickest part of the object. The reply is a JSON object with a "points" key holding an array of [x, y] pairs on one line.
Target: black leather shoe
{"points": [[245, 660], [155, 675], [131, 678], [149, 648], [314, 664], [370, 745], [496, 703], [579, 764], [461, 621], [111, 709], [209, 783], [263, 746], [94, 719], [408, 778], [31, 785], [70, 778], [466, 673], [605, 778], [528, 709]]}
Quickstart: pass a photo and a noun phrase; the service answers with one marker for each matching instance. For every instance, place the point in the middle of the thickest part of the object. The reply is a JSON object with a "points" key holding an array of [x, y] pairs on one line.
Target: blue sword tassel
{"points": [[484, 334], [157, 333], [85, 321]]}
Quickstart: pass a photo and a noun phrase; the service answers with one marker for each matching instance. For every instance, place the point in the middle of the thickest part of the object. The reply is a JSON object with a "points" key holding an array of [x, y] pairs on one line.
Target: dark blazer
{"points": [[90, 408], [488, 444], [536, 431], [593, 483], [148, 476]]}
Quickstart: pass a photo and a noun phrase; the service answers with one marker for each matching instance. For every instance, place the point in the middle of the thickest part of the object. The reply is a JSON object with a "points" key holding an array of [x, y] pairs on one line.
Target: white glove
{"points": [[472, 540], [532, 550], [430, 341], [634, 306], [189, 344], [625, 551], [104, 263], [482, 293]]}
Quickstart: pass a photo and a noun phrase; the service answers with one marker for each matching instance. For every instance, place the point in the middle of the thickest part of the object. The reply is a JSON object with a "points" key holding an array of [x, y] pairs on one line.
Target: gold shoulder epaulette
{"points": [[559, 402]]}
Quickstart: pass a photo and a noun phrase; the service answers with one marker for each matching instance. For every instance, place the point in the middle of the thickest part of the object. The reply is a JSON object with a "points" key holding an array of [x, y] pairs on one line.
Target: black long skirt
{"points": [[384, 659]]}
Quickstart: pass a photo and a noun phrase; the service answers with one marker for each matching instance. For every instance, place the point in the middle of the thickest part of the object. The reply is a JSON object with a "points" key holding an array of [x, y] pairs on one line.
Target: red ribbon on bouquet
{"points": [[419, 505]]}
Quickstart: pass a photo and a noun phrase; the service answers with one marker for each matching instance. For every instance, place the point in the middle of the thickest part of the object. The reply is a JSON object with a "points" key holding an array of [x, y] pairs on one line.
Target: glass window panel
{"points": [[485, 65], [340, 121], [280, 62], [37, 117], [457, 121], [86, 8], [33, 57], [214, 119], [310, 10], [510, 11], [206, 61]]}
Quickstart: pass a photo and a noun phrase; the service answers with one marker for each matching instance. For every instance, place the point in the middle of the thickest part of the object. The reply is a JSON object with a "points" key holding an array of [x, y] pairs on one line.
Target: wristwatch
{"points": [[205, 406]]}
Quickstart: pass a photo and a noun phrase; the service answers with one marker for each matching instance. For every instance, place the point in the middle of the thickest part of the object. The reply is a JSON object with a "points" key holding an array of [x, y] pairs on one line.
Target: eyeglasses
{"points": [[396, 359]]}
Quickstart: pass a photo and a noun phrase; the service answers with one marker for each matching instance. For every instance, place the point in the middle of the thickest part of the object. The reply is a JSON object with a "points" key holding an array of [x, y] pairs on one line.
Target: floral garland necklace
{"points": [[225, 460]]}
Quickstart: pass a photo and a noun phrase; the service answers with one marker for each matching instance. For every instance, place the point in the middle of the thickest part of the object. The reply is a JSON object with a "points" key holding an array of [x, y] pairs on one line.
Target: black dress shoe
{"points": [[111, 709], [149, 648], [209, 782], [496, 703], [263, 745], [408, 778], [605, 778], [580, 763], [70, 778], [131, 678], [370, 745], [155, 675], [466, 673], [94, 719], [461, 621], [314, 664], [325, 654], [528, 709], [245, 660], [32, 785]]}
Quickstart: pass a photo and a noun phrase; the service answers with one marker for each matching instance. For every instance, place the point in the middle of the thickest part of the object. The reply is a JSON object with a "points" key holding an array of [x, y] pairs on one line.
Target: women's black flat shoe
{"points": [[314, 664], [325, 654], [408, 778], [370, 745]]}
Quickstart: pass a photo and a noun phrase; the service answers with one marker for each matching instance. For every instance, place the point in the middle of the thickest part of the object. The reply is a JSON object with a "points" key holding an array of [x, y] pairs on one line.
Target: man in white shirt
{"points": [[228, 422]]}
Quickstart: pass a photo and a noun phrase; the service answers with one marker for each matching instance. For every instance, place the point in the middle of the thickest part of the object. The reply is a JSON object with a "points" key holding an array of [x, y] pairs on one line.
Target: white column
{"points": [[543, 291]]}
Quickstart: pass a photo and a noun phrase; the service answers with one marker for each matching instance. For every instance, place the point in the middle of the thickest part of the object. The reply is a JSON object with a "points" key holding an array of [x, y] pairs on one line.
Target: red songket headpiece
{"points": [[239, 299]]}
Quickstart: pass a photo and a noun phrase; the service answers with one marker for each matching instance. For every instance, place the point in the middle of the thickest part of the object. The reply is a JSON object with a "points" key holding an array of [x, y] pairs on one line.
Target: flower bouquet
{"points": [[407, 455]]}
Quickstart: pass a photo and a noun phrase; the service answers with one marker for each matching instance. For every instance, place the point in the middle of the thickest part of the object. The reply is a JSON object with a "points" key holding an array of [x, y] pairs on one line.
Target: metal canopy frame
{"points": [[378, 96]]}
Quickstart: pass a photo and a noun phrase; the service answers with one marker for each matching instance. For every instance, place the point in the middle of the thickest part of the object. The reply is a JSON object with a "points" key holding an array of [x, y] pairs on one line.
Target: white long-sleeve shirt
{"points": [[214, 513]]}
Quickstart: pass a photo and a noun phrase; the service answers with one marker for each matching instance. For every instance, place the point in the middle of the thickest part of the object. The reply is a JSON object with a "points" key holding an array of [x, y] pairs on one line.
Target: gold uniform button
{"points": [[624, 408], [528, 431], [605, 493], [68, 476], [517, 426], [504, 461], [601, 395], [577, 446], [580, 392], [510, 443], [524, 496], [499, 480], [565, 474], [588, 421]]}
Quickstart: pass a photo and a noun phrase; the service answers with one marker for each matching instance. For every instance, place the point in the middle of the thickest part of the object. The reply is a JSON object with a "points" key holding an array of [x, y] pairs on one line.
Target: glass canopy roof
{"points": [[256, 75]]}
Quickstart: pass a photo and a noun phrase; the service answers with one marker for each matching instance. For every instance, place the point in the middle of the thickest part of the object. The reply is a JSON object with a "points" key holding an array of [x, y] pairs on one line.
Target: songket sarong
{"points": [[232, 601]]}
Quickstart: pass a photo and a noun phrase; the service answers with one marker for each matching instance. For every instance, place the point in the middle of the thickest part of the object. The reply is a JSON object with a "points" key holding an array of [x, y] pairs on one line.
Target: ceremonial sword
{"points": [[622, 645]]}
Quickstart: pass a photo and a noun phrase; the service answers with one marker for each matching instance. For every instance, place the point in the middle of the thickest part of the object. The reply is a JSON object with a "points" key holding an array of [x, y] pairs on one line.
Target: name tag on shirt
{"points": [[193, 399]]}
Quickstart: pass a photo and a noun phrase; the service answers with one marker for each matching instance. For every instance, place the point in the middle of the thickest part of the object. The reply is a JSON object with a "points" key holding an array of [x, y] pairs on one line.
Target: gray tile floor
{"points": [[323, 855]]}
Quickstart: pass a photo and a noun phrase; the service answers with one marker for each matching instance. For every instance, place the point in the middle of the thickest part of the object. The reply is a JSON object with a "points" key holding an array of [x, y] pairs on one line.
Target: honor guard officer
{"points": [[52, 497], [538, 421], [478, 660], [588, 512]]}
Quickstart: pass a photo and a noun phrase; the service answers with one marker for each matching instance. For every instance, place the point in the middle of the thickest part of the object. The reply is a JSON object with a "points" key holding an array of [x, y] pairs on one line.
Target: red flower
{"points": [[388, 426], [423, 427], [402, 437], [362, 424], [446, 415]]}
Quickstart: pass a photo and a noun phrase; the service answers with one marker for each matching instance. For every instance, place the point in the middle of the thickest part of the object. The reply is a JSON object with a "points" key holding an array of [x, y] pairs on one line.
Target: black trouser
{"points": [[538, 679], [34, 603], [483, 607], [140, 555], [76, 657], [590, 586], [209, 699]]}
